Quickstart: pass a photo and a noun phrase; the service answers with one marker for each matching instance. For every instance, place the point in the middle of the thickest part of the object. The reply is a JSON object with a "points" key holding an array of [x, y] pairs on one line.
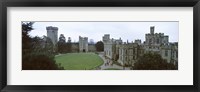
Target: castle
{"points": [[127, 53], [52, 33], [83, 44], [110, 46]]}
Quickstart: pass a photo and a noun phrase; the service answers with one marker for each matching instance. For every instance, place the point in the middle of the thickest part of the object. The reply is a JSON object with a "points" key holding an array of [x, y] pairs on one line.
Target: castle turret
{"points": [[83, 44], [152, 29], [52, 33], [106, 37]]}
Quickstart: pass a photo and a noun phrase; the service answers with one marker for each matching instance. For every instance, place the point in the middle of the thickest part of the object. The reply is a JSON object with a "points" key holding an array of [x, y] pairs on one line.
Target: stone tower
{"points": [[83, 44], [106, 37], [52, 33], [152, 29], [156, 38]]}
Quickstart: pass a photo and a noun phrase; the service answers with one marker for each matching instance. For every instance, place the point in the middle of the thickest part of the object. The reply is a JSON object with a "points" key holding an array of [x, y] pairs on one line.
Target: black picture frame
{"points": [[99, 3]]}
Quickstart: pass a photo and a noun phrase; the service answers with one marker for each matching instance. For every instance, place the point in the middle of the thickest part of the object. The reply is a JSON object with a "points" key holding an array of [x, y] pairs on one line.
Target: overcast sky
{"points": [[95, 30]]}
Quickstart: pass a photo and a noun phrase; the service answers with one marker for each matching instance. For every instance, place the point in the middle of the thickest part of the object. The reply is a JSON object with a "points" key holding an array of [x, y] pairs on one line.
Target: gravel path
{"points": [[106, 65]]}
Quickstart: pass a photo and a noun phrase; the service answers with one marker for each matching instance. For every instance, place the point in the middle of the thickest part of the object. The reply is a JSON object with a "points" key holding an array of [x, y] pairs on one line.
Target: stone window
{"points": [[173, 54], [131, 52], [150, 41], [166, 53], [157, 41]]}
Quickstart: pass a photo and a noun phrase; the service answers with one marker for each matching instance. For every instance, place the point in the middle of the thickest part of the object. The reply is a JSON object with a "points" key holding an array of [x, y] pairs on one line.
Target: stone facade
{"points": [[52, 33], [153, 41], [107, 46], [75, 47], [159, 43], [128, 53], [83, 44], [170, 53], [91, 48], [111, 46]]}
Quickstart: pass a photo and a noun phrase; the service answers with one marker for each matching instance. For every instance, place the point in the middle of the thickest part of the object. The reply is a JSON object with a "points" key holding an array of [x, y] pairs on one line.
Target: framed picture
{"points": [[74, 45]]}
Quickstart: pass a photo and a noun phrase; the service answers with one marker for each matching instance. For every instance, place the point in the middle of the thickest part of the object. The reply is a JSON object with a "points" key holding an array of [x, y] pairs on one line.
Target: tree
{"points": [[39, 62], [62, 38], [99, 46], [42, 46], [41, 56], [36, 44], [69, 45], [26, 28], [48, 46], [35, 55], [62, 44], [152, 61]]}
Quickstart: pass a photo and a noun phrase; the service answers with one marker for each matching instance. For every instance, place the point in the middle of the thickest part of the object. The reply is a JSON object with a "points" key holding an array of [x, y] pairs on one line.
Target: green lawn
{"points": [[79, 61]]}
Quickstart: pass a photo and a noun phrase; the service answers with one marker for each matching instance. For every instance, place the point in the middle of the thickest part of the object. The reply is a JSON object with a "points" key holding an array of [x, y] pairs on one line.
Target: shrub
{"points": [[38, 62], [153, 61]]}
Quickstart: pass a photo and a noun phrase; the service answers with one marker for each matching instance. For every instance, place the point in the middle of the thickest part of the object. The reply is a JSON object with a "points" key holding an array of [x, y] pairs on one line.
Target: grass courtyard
{"points": [[79, 61]]}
